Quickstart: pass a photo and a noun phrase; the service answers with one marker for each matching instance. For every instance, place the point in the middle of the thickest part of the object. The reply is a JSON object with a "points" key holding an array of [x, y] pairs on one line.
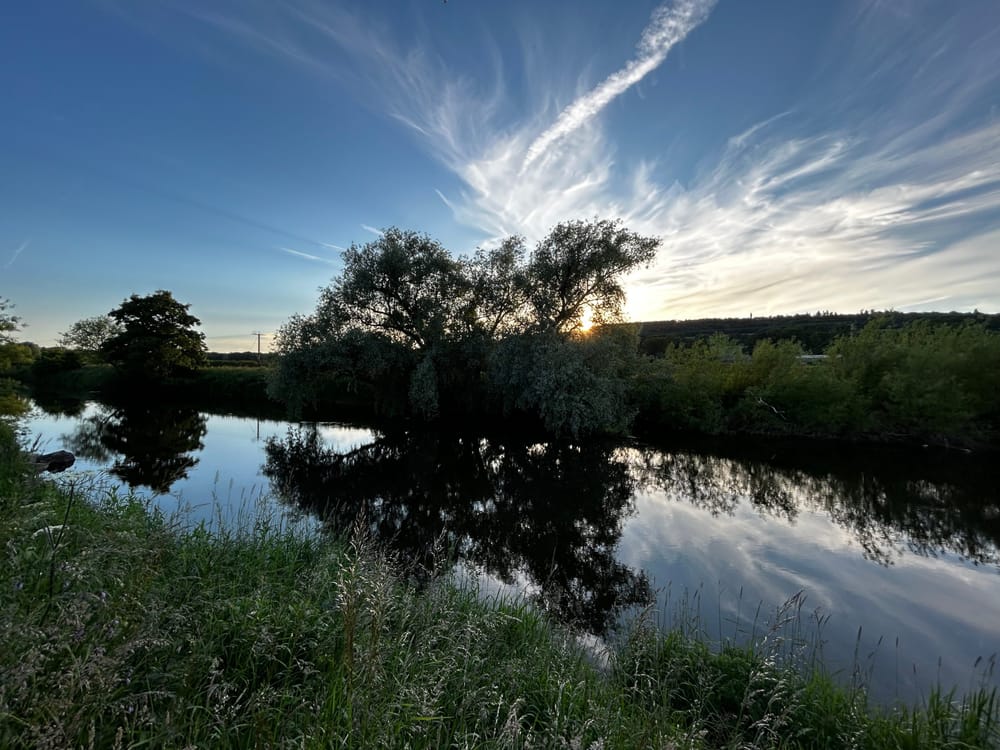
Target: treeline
{"points": [[814, 331], [922, 382]]}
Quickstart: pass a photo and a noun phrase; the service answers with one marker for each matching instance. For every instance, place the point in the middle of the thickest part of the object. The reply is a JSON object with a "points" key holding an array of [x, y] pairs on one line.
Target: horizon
{"points": [[791, 157]]}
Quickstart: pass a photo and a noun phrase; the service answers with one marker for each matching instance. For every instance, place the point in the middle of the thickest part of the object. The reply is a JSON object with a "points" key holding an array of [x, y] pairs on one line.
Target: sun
{"points": [[586, 320]]}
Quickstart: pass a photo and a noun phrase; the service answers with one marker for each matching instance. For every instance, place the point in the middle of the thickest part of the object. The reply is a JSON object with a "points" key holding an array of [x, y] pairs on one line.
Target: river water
{"points": [[884, 563]]}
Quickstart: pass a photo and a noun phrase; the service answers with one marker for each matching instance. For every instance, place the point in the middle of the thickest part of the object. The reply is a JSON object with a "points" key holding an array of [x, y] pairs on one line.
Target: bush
{"points": [[54, 361], [921, 379]]}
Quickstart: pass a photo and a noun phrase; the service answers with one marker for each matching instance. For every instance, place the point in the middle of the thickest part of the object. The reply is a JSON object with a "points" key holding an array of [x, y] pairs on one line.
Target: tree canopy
{"points": [[428, 332], [404, 285], [11, 354], [578, 269], [157, 337], [90, 334], [8, 321]]}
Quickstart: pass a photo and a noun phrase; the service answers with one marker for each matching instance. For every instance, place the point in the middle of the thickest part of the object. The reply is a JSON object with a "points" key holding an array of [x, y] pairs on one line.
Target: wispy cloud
{"points": [[373, 230], [880, 188], [834, 205], [670, 24], [17, 251], [826, 222], [307, 256]]}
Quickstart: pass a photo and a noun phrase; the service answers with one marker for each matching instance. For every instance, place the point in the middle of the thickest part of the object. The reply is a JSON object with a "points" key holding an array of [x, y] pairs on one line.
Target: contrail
{"points": [[668, 25], [17, 252]]}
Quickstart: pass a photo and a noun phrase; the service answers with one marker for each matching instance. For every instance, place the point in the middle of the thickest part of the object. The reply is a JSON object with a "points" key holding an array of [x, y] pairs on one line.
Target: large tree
{"points": [[157, 338], [408, 321]]}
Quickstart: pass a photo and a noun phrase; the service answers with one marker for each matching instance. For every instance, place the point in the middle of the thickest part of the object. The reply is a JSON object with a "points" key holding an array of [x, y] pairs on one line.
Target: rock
{"points": [[54, 462]]}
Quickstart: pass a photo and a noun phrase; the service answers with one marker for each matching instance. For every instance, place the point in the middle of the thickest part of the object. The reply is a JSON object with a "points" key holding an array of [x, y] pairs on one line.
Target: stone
{"points": [[55, 462]]}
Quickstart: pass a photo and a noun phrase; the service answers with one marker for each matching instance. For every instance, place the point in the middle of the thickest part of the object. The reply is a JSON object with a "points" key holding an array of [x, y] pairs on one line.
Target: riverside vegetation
{"points": [[919, 382], [537, 340], [122, 629]]}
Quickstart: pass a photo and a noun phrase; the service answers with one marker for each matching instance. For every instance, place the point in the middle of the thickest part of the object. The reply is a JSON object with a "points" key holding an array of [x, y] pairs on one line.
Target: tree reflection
{"points": [[550, 513], [58, 404], [151, 445], [890, 503]]}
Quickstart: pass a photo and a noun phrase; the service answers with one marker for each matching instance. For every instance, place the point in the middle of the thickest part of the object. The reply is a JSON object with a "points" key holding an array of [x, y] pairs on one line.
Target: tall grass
{"points": [[121, 631]]}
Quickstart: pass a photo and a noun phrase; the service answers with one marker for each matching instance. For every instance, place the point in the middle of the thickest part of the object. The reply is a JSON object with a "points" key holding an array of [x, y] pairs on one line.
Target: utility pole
{"points": [[258, 334]]}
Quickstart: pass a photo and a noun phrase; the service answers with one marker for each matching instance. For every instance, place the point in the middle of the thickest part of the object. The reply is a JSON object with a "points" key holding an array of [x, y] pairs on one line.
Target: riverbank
{"points": [[918, 385], [120, 630]]}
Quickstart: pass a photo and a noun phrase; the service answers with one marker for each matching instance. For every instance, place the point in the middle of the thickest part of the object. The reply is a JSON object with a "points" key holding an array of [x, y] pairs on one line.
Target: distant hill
{"points": [[814, 331]]}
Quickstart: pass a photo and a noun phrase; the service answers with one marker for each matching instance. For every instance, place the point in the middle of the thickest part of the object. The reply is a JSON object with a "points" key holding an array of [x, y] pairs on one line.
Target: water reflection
{"points": [[59, 404], [550, 516], [548, 513], [905, 543], [890, 503], [145, 445]]}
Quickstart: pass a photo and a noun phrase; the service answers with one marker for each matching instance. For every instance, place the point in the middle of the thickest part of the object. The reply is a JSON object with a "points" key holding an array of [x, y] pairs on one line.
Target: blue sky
{"points": [[793, 156]]}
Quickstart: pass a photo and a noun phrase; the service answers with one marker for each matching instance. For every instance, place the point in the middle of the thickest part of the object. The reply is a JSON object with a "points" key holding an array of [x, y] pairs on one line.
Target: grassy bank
{"points": [[120, 631]]}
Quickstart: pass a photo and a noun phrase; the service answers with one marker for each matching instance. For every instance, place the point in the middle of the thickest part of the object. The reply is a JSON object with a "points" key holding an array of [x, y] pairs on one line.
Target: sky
{"points": [[792, 156]]}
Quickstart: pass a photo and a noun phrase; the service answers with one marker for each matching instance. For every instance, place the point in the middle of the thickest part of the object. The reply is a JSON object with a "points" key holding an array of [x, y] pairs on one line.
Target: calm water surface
{"points": [[891, 559]]}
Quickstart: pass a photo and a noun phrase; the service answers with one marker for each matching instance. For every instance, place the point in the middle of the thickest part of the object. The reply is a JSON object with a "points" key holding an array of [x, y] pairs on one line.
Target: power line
{"points": [[258, 334]]}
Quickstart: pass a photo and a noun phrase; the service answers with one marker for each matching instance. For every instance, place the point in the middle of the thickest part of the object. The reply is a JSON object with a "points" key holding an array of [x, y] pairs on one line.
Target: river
{"points": [[883, 563]]}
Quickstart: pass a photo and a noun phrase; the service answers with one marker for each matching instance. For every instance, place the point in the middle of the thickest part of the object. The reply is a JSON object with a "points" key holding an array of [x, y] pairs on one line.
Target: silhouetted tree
{"points": [[157, 337], [407, 321]]}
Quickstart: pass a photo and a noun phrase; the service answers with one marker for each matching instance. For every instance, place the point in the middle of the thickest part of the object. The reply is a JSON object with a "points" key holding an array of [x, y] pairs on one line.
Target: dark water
{"points": [[891, 558]]}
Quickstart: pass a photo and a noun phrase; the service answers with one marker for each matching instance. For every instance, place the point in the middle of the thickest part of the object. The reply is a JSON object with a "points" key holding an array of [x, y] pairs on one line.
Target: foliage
{"points": [[316, 372], [816, 332], [426, 335], [90, 334], [921, 378], [498, 285], [157, 337], [54, 360], [12, 355], [14, 359], [920, 381], [578, 267], [689, 387], [575, 386], [231, 389], [8, 321], [403, 285]]}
